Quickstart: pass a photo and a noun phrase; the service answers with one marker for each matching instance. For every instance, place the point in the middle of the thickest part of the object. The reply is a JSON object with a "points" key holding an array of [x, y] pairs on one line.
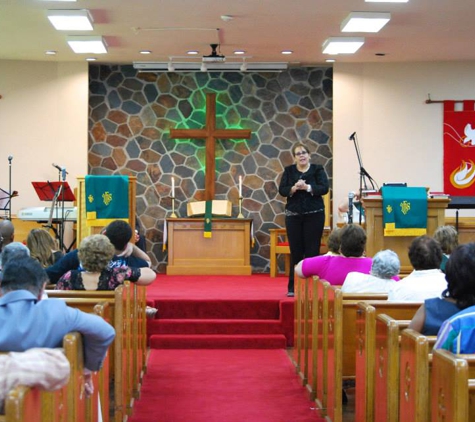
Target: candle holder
{"points": [[240, 208], [173, 208]]}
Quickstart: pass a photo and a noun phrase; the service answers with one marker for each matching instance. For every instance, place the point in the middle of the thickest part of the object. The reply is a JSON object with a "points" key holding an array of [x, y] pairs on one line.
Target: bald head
{"points": [[7, 232]]}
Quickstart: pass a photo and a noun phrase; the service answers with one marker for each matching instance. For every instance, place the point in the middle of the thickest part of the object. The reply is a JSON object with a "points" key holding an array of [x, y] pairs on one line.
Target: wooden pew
{"points": [[414, 376], [386, 399], [312, 333], [102, 377], [138, 341], [315, 339], [340, 342], [120, 367], [452, 387], [365, 358], [23, 404], [299, 308], [73, 349], [308, 354]]}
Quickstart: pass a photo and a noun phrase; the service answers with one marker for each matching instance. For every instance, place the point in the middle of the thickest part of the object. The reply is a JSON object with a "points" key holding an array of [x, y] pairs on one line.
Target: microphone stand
{"points": [[363, 173], [10, 187]]}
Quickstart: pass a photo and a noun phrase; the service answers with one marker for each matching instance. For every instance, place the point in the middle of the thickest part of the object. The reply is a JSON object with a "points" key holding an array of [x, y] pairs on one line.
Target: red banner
{"points": [[459, 149]]}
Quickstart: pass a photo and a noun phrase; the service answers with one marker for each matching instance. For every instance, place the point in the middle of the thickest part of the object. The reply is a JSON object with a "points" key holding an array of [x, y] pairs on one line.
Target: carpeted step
{"points": [[214, 326], [217, 341], [218, 309]]}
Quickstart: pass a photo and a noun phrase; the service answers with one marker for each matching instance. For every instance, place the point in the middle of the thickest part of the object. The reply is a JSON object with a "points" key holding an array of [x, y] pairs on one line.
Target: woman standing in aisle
{"points": [[303, 184]]}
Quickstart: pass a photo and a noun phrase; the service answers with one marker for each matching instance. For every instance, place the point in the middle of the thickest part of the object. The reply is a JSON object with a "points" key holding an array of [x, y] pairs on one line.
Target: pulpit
{"points": [[83, 230], [400, 244], [227, 252]]}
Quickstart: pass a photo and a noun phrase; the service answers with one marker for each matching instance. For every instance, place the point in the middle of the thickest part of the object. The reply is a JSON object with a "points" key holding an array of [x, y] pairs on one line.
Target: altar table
{"points": [[227, 252]]}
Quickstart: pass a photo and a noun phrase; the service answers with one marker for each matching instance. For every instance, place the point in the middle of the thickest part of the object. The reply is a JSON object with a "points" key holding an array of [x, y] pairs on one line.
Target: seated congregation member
{"points": [[334, 269], [459, 295], [457, 333], [14, 250], [43, 247], [47, 369], [95, 253], [119, 233], [426, 280], [7, 233], [447, 237], [334, 241], [29, 322], [383, 275]]}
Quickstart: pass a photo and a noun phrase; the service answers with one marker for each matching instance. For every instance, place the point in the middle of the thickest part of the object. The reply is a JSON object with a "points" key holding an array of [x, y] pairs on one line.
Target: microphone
{"points": [[351, 196], [10, 158], [352, 136], [57, 167]]}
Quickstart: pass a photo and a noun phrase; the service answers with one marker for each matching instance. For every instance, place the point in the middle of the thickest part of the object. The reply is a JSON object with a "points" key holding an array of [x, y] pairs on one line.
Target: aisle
{"points": [[222, 385]]}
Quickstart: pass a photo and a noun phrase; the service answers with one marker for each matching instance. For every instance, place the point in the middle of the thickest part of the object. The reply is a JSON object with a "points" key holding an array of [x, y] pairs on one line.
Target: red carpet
{"points": [[256, 286], [220, 312], [222, 385]]}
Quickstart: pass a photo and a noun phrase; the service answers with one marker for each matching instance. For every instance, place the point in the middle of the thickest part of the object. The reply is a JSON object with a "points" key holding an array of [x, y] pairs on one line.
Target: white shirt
{"points": [[419, 286], [366, 283]]}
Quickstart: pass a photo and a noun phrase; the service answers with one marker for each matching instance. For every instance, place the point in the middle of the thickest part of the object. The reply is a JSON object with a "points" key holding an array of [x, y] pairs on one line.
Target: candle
{"points": [[240, 186], [173, 187]]}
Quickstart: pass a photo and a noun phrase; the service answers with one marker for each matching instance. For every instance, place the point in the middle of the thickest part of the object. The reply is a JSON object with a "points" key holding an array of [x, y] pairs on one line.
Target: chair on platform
{"points": [[279, 244]]}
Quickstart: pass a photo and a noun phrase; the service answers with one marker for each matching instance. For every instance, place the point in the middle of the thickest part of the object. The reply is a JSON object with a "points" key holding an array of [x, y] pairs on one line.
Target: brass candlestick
{"points": [[173, 208], [240, 208]]}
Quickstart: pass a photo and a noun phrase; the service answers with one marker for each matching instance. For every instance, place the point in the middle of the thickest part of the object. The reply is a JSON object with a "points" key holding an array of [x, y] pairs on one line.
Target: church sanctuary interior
{"points": [[199, 103]]}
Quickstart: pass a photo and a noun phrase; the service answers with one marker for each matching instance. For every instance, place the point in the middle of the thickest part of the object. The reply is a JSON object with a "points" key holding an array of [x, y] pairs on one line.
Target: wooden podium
{"points": [[227, 252], [400, 244]]}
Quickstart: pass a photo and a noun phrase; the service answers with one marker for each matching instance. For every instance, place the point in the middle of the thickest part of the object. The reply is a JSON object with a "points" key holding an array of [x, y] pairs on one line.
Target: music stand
{"points": [[6, 201], [57, 193], [47, 190]]}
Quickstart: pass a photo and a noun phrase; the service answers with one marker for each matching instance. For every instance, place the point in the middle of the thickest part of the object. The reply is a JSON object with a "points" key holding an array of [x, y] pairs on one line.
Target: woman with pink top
{"points": [[334, 269]]}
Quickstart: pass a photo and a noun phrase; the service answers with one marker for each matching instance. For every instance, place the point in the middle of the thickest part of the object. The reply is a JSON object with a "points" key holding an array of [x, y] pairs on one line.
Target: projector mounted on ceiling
{"points": [[214, 57]]}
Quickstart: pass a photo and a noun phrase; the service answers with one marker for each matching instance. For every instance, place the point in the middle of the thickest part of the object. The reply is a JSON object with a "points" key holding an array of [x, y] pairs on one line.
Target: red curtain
{"points": [[459, 149]]}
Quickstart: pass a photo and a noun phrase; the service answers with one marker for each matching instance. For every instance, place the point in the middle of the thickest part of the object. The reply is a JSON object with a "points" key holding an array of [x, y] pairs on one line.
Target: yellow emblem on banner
{"points": [[107, 198]]}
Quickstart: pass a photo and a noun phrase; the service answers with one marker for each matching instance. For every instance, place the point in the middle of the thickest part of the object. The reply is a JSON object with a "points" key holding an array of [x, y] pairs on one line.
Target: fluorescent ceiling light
{"points": [[83, 44], [342, 45], [365, 21], [71, 20], [386, 1], [211, 67]]}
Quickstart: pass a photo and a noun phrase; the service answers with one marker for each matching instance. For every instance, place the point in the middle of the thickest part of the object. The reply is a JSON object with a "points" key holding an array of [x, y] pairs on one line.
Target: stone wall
{"points": [[131, 113]]}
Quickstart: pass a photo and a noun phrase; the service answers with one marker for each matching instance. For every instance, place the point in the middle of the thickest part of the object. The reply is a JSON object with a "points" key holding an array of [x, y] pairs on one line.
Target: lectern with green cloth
{"points": [[377, 241], [95, 202], [404, 211], [107, 199]]}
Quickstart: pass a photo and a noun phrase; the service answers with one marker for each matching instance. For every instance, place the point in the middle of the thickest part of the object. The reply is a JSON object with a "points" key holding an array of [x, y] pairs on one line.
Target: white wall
{"points": [[43, 120], [399, 135]]}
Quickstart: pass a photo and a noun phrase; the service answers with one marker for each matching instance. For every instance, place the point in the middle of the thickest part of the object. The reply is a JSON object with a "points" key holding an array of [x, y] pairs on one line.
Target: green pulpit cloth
{"points": [[107, 199], [404, 211], [208, 218]]}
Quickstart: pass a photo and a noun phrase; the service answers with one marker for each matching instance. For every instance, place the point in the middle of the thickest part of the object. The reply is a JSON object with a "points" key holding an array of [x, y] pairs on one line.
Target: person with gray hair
{"points": [[384, 273], [14, 250]]}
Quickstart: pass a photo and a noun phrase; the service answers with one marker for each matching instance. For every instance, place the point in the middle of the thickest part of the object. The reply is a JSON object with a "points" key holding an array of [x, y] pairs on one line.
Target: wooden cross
{"points": [[210, 134]]}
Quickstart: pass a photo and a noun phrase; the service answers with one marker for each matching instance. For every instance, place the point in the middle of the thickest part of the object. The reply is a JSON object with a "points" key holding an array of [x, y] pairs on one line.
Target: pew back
{"points": [[414, 376], [386, 402], [450, 387]]}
